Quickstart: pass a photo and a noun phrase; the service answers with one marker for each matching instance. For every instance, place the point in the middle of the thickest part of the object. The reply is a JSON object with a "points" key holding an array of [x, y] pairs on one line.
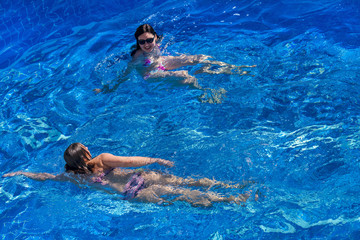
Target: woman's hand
{"points": [[97, 90], [164, 162]]}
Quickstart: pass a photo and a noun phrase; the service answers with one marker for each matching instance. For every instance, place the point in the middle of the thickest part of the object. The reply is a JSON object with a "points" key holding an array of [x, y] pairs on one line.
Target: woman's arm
{"points": [[113, 161], [174, 62], [63, 177], [35, 176], [107, 88]]}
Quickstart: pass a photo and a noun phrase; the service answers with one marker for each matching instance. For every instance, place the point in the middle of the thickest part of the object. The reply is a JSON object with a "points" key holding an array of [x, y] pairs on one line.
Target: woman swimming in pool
{"points": [[151, 64], [106, 170]]}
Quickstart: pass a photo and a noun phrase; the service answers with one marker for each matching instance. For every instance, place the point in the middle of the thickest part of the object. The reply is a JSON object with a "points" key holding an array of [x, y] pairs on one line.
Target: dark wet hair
{"points": [[140, 30], [74, 157]]}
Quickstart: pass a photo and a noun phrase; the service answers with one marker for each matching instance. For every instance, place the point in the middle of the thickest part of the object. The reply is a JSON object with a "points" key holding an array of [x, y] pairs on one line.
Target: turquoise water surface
{"points": [[292, 126]]}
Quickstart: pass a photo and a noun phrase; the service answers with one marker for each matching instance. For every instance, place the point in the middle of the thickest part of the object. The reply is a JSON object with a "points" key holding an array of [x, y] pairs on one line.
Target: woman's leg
{"points": [[178, 77], [174, 62], [169, 194], [168, 179], [206, 199], [217, 67], [208, 183]]}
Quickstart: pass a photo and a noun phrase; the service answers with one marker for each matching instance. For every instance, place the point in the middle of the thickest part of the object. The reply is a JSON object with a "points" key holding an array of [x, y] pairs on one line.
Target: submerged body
{"points": [[149, 62], [153, 65], [150, 186], [109, 171], [160, 188]]}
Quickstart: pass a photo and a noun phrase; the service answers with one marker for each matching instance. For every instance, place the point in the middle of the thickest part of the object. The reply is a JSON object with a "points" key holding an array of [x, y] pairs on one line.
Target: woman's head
{"points": [[76, 156], [146, 38]]}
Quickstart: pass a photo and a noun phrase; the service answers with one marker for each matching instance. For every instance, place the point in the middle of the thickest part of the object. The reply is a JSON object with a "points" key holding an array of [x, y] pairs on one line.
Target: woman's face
{"points": [[145, 42]]}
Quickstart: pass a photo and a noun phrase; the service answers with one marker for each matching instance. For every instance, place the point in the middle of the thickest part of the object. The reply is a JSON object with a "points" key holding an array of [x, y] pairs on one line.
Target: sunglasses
{"points": [[148, 40]]}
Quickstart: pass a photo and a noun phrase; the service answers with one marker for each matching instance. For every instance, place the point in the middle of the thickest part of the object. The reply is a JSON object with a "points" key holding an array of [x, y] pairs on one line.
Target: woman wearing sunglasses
{"points": [[149, 62]]}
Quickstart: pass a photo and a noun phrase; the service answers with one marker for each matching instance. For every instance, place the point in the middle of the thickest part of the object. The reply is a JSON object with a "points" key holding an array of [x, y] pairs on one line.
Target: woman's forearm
{"points": [[119, 161], [35, 176]]}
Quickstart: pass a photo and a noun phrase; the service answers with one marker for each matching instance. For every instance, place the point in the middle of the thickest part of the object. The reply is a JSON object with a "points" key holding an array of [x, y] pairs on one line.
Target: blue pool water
{"points": [[292, 127]]}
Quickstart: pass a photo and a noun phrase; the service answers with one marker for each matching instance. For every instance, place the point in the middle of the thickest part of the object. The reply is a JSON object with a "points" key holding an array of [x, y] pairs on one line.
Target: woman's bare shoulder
{"points": [[137, 54]]}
